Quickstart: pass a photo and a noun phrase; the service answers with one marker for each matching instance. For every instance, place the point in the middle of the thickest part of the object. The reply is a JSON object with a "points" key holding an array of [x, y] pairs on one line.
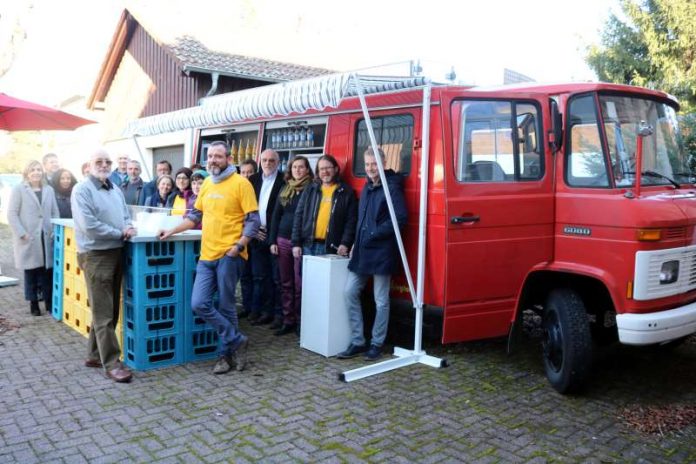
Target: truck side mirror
{"points": [[555, 135]]}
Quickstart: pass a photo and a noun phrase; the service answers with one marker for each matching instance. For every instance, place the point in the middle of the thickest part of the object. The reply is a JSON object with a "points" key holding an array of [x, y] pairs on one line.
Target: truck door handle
{"points": [[464, 219]]}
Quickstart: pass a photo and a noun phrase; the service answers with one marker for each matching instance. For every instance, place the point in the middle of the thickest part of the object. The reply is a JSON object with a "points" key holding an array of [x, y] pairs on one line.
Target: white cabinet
{"points": [[325, 325]]}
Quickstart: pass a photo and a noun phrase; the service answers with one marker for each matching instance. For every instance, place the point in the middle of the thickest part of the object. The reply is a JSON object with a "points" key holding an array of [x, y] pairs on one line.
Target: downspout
{"points": [[213, 89]]}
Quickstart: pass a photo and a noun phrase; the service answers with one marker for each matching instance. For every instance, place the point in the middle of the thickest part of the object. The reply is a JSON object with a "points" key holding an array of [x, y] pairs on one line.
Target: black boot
{"points": [[49, 307], [35, 311]]}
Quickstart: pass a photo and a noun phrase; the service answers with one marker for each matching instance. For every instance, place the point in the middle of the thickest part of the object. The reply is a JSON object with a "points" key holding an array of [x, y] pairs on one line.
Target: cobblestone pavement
{"points": [[289, 405]]}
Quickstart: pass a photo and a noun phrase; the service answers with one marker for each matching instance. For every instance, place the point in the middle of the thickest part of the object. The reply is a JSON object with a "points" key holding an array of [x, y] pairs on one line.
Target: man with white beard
{"points": [[102, 224], [231, 220]]}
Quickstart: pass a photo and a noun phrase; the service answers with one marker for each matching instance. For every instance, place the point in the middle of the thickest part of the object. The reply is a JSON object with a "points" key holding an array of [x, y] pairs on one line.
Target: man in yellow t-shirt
{"points": [[231, 220]]}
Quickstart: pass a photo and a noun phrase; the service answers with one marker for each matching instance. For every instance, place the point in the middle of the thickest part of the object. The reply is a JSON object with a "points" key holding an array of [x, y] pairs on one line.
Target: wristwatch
{"points": [[240, 247]]}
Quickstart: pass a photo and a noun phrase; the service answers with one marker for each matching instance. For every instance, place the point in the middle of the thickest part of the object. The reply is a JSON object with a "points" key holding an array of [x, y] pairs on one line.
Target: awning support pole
{"points": [[417, 355]]}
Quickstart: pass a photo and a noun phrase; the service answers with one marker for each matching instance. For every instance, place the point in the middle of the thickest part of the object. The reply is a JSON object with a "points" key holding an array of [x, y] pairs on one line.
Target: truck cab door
{"points": [[499, 202]]}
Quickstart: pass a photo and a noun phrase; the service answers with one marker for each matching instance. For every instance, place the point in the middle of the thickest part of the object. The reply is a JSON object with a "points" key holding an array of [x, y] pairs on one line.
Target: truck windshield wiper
{"points": [[661, 176]]}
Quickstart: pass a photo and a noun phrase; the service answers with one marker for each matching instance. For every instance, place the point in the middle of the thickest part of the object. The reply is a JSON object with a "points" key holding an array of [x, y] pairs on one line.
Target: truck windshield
{"points": [[663, 162], [662, 159]]}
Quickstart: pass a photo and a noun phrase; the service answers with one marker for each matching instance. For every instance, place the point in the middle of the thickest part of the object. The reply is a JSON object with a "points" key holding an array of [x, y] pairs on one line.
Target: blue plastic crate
{"points": [[153, 319], [201, 344], [155, 256], [159, 287], [144, 353], [57, 293], [191, 320], [57, 302]]}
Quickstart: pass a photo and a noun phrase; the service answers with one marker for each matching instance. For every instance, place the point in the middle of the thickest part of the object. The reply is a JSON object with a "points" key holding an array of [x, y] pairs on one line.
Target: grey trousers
{"points": [[103, 272]]}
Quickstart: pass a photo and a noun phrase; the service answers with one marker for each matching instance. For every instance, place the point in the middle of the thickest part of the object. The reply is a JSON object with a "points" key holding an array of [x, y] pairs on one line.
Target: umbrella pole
{"points": [[404, 357]]}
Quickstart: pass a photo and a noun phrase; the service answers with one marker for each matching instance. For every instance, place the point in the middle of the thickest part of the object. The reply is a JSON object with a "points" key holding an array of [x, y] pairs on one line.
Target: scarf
{"points": [[229, 170], [292, 188]]}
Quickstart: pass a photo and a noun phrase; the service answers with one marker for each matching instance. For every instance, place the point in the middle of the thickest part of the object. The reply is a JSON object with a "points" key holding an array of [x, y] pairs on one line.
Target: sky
{"points": [[66, 41]]}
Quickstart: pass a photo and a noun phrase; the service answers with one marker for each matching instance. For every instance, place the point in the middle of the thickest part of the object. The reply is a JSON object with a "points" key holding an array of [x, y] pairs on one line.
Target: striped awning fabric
{"points": [[316, 93]]}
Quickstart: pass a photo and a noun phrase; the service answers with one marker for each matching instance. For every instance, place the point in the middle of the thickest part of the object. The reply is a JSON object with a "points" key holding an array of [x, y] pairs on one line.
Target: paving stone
{"points": [[289, 407]]}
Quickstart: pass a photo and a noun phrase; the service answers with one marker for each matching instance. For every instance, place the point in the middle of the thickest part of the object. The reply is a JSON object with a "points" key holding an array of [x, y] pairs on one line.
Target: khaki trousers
{"points": [[103, 272]]}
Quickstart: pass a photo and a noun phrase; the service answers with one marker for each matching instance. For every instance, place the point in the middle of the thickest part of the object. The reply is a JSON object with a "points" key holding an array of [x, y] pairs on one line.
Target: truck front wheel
{"points": [[566, 343]]}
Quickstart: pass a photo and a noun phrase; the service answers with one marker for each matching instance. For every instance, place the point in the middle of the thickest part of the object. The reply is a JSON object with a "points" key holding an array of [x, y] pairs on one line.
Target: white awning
{"points": [[281, 99]]}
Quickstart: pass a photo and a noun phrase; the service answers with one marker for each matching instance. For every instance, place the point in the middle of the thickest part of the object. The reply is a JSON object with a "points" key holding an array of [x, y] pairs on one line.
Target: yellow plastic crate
{"points": [[70, 263], [69, 239], [81, 295], [68, 288], [70, 312]]}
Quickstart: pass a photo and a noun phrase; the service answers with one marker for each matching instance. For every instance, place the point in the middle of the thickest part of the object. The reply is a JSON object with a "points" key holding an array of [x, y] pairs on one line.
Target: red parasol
{"points": [[16, 115]]}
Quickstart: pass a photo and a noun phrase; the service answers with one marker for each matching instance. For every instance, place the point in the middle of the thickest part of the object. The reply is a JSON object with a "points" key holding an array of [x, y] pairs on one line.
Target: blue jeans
{"points": [[354, 285], [219, 276], [315, 249]]}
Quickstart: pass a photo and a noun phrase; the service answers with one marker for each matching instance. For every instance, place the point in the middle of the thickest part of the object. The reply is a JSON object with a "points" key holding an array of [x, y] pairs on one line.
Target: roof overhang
{"points": [[188, 69], [119, 43]]}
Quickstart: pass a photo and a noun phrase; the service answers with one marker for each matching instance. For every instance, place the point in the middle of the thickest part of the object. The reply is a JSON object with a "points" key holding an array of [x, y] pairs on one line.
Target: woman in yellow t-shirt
{"points": [[178, 199]]}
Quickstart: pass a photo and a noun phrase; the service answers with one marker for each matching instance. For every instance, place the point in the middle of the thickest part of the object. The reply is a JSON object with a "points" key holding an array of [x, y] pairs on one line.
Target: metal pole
{"points": [[144, 165], [417, 356], [422, 216], [383, 179]]}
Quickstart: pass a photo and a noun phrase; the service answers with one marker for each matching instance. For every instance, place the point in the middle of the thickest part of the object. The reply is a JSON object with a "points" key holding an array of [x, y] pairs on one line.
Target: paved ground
{"points": [[289, 406]]}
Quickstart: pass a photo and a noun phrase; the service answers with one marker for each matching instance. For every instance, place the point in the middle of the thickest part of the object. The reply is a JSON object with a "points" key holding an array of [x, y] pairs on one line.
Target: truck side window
{"points": [[394, 136], [585, 163], [498, 141]]}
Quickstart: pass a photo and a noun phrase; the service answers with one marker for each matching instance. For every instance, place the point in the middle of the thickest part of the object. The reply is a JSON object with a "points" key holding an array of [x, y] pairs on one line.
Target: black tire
{"points": [[566, 341]]}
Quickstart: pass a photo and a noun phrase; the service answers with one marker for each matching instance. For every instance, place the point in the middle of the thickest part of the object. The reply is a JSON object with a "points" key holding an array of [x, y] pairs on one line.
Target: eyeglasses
{"points": [[103, 162]]}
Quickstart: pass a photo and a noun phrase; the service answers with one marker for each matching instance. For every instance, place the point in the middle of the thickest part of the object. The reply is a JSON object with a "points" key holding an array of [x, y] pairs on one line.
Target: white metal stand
{"points": [[417, 355], [404, 358]]}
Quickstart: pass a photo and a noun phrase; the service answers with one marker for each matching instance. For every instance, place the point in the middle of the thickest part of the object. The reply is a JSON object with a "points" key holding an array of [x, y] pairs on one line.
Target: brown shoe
{"points": [[119, 373], [89, 362]]}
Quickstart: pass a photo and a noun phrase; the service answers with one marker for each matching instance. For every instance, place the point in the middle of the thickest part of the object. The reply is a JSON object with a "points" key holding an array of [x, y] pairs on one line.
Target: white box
{"points": [[325, 325]]}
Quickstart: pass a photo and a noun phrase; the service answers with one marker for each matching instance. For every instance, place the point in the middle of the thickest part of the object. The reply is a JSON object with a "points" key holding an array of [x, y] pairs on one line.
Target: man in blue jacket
{"points": [[375, 253]]}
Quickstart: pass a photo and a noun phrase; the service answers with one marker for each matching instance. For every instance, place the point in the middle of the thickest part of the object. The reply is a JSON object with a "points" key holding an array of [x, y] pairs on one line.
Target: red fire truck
{"points": [[539, 197]]}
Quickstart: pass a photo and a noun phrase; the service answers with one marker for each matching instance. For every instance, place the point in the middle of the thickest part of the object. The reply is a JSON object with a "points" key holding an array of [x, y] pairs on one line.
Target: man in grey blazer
{"points": [[102, 224]]}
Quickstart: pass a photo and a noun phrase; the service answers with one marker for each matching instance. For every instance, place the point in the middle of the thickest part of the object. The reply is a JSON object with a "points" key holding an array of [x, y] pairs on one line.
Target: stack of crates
{"points": [[153, 303], [70, 298], [75, 301], [202, 341]]}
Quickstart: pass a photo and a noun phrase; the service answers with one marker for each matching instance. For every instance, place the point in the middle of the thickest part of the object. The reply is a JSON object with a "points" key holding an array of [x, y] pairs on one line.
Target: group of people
{"points": [[255, 228], [266, 233]]}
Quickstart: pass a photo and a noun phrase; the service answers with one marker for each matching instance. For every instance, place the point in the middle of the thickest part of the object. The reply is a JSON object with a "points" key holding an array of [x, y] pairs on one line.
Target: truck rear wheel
{"points": [[566, 342]]}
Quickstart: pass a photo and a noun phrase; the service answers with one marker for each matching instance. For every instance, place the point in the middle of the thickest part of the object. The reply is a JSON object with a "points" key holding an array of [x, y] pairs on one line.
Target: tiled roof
{"points": [[192, 53]]}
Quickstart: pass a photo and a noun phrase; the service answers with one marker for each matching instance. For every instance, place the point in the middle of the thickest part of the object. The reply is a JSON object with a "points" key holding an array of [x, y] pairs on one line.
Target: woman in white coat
{"points": [[32, 205]]}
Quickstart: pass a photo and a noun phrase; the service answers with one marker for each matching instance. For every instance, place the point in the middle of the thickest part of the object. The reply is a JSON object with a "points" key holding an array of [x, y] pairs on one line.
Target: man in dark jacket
{"points": [[326, 214], [375, 253], [133, 187], [265, 306]]}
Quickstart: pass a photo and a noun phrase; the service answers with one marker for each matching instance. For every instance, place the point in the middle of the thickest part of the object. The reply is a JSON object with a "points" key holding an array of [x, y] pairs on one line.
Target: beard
{"points": [[101, 175], [215, 169]]}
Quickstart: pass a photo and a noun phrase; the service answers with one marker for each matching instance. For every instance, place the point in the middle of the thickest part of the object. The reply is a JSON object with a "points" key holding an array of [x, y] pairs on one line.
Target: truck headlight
{"points": [[669, 272]]}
